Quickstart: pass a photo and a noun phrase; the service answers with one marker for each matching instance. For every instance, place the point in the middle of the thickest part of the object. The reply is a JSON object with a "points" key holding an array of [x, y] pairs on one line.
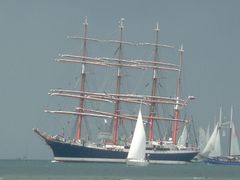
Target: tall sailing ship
{"points": [[108, 109]]}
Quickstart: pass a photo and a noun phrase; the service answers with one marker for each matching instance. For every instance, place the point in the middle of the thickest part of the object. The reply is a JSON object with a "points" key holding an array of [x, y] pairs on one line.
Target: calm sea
{"points": [[36, 170]]}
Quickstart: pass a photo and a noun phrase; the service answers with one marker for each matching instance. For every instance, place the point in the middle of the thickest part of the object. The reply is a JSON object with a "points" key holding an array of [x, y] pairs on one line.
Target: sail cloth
{"points": [[213, 147], [217, 146], [138, 144], [183, 138], [234, 141]]}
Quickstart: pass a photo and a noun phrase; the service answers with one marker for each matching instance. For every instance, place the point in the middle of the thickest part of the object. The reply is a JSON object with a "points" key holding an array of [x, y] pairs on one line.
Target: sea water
{"points": [[47, 170]]}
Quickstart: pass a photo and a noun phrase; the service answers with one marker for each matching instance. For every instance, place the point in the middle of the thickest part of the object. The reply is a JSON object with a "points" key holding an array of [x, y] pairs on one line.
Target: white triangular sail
{"points": [[136, 154], [234, 142], [213, 147], [183, 138], [217, 146]]}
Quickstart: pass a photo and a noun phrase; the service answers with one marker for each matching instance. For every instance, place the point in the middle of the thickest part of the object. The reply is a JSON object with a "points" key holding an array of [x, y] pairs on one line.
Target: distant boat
{"points": [[212, 152], [137, 152]]}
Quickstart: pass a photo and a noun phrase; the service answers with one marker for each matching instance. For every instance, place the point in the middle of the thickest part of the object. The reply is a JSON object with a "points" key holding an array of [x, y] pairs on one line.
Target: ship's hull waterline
{"points": [[73, 152]]}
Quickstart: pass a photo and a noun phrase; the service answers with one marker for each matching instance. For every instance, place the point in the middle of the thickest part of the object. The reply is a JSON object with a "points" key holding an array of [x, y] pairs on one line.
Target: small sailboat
{"points": [[137, 153], [213, 148]]}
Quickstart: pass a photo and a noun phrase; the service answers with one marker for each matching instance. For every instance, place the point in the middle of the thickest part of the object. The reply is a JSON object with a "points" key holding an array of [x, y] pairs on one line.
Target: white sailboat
{"points": [[213, 148], [137, 153]]}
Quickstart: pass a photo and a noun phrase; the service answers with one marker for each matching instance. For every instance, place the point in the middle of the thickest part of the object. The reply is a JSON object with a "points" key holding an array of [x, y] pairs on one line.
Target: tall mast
{"points": [[220, 118], [176, 108], [120, 56], [154, 87], [83, 79], [230, 131]]}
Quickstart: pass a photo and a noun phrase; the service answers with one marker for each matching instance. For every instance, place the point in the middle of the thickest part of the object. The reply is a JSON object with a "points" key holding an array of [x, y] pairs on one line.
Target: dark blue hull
{"points": [[222, 161], [72, 152]]}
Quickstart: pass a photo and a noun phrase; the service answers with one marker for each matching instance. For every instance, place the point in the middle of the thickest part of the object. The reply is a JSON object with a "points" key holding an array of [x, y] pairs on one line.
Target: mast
{"points": [[119, 62], [118, 85], [154, 87], [230, 132], [83, 79], [177, 107]]}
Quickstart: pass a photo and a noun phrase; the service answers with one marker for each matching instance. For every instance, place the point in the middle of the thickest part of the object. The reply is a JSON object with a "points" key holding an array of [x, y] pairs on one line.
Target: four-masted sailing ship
{"points": [[113, 110]]}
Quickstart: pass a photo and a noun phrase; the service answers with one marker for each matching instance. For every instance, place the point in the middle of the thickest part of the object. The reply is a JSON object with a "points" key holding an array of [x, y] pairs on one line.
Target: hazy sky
{"points": [[33, 33]]}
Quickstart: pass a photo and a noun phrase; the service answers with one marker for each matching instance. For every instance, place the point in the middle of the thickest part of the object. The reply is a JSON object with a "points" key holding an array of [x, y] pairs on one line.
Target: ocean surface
{"points": [[46, 170]]}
